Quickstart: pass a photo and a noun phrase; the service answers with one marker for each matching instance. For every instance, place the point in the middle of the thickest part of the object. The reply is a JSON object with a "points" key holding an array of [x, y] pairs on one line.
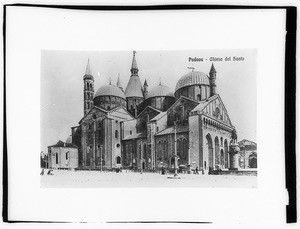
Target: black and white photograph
{"points": [[147, 115], [143, 119]]}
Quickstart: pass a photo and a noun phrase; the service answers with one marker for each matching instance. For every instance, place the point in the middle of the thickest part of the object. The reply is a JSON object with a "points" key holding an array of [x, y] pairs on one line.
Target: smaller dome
{"points": [[192, 78], [160, 91], [110, 90], [69, 139]]}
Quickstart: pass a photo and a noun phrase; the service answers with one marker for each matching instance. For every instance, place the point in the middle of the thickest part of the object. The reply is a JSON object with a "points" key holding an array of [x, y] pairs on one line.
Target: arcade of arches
{"points": [[217, 150]]}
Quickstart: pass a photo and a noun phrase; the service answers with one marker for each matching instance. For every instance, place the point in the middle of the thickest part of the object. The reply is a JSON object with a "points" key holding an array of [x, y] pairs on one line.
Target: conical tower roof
{"points": [[212, 69], [88, 73], [145, 83], [134, 86], [119, 84]]}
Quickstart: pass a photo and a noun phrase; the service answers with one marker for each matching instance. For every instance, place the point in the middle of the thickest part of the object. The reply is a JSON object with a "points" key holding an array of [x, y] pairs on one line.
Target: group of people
{"points": [[50, 172], [164, 170]]}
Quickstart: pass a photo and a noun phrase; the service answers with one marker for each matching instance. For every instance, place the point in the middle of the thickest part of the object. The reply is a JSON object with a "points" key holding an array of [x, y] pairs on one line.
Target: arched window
{"points": [[56, 158], [253, 161], [116, 134], [199, 97], [176, 117], [118, 160]]}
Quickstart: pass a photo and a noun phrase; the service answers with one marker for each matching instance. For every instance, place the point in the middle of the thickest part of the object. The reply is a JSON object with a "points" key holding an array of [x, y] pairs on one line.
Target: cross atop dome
{"points": [[191, 68]]}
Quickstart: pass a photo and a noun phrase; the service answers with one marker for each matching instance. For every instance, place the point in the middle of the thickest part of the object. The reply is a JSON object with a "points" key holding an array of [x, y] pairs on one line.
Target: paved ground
{"points": [[96, 179]]}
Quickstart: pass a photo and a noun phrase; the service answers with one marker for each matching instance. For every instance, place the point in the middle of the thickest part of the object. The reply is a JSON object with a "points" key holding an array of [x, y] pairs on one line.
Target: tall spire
{"points": [[119, 85], [145, 83], [212, 69], [212, 79], [88, 89], [88, 69], [134, 69]]}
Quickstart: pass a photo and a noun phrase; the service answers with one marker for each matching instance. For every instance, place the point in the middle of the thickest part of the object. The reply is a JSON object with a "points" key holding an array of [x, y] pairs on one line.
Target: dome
{"points": [[160, 90], [192, 78], [110, 90]]}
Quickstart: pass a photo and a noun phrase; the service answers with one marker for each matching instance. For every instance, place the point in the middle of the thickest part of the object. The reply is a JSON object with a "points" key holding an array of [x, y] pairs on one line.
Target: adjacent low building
{"points": [[63, 155], [248, 154]]}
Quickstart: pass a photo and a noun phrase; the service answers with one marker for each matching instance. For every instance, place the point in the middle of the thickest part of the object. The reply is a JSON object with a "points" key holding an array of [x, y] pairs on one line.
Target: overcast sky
{"points": [[62, 83]]}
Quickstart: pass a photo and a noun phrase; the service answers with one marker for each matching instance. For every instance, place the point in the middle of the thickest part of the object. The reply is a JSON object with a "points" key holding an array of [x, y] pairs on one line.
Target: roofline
{"points": [[149, 107], [134, 97], [191, 85], [64, 146], [161, 96], [157, 134], [118, 107], [108, 95], [224, 123], [248, 141], [208, 100], [101, 109], [163, 112], [182, 97], [217, 96]]}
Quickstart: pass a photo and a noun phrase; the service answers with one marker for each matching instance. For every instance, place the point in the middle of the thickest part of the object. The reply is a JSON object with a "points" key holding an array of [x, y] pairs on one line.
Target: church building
{"points": [[138, 128]]}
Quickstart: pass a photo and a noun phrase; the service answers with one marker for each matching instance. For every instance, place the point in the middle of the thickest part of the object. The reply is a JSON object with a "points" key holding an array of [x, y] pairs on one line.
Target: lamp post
{"points": [[69, 154], [101, 158], [175, 147], [141, 157]]}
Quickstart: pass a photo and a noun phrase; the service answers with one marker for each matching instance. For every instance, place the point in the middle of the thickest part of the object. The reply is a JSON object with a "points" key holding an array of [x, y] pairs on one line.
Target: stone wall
{"points": [[63, 158]]}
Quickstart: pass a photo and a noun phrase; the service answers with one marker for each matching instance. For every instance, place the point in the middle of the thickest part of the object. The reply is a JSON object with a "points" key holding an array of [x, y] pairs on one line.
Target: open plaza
{"points": [[128, 179]]}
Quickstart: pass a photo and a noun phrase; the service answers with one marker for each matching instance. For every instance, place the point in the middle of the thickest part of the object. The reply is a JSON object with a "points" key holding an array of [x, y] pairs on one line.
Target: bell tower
{"points": [[212, 79], [88, 89]]}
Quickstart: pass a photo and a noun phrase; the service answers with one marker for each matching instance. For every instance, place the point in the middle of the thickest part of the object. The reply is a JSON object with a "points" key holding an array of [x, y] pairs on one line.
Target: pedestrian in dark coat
{"points": [[197, 170]]}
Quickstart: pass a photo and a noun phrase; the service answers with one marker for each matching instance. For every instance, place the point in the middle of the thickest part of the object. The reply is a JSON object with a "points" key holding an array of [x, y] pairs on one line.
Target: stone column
{"points": [[233, 156]]}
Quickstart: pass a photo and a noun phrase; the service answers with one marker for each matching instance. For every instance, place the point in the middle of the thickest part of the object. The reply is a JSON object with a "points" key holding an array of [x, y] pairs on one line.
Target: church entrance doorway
{"points": [[252, 162], [118, 160], [143, 165]]}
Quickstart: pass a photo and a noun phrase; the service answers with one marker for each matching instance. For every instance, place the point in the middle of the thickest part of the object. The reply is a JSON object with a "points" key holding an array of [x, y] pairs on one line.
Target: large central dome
{"points": [[110, 90], [192, 78], [160, 91], [109, 97]]}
